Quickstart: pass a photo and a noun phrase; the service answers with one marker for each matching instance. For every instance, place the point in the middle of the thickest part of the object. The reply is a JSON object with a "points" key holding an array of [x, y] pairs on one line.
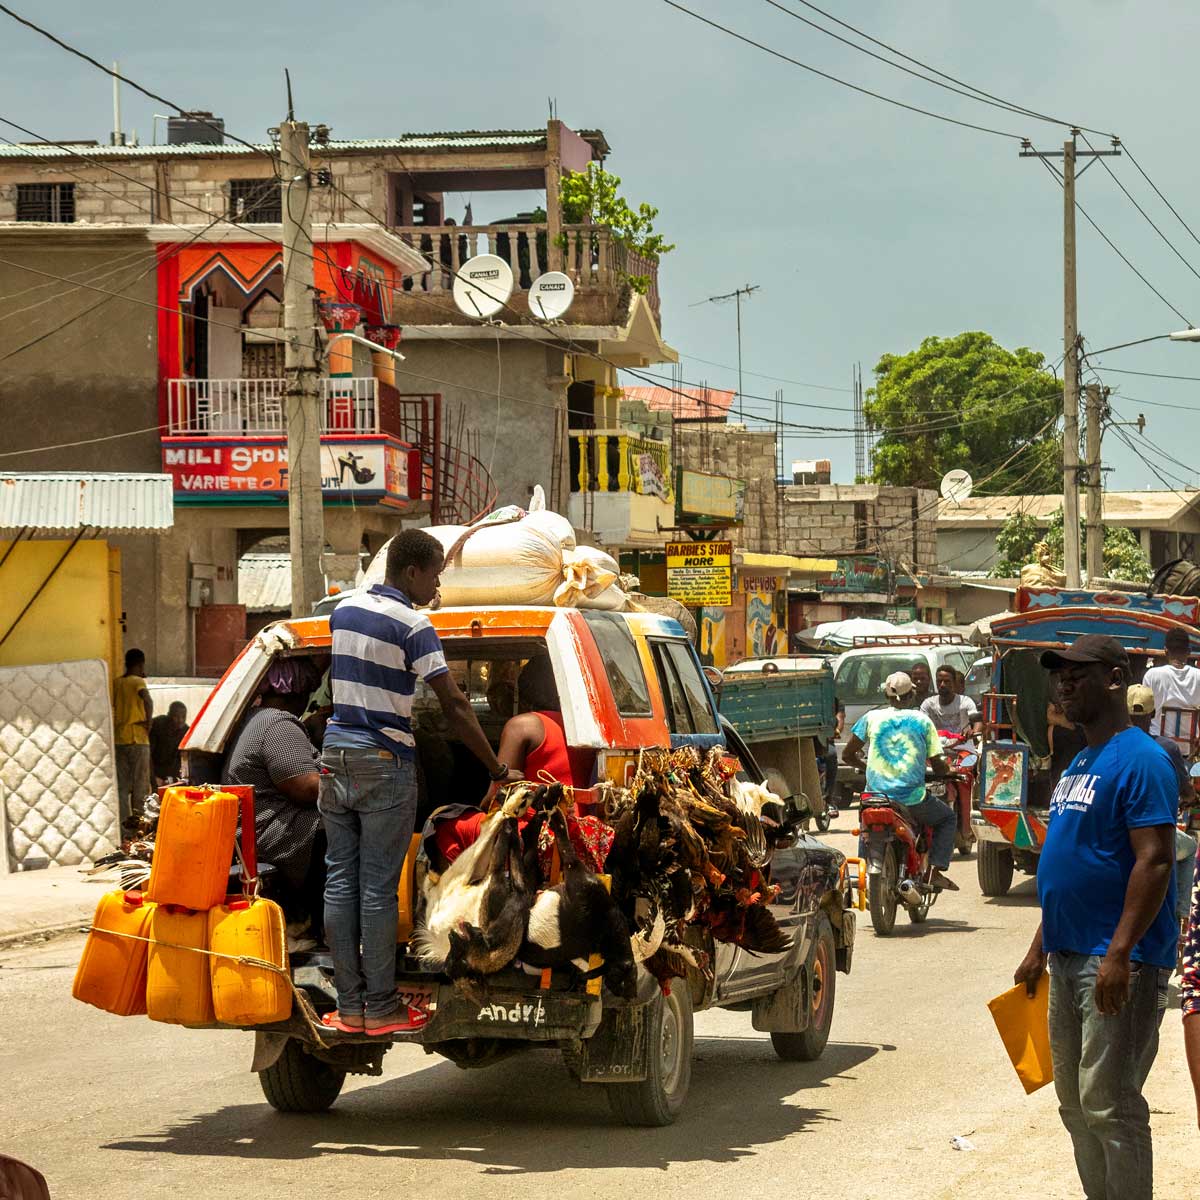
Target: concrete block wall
{"points": [[824, 519]]}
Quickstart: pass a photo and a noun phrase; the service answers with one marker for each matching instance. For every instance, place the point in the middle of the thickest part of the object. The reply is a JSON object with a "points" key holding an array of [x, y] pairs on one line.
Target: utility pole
{"points": [[302, 410], [1095, 511], [736, 296], [1067, 177]]}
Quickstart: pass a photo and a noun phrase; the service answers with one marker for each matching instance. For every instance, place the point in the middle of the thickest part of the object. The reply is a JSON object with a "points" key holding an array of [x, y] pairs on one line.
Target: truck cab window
{"points": [[688, 673], [619, 654], [679, 717]]}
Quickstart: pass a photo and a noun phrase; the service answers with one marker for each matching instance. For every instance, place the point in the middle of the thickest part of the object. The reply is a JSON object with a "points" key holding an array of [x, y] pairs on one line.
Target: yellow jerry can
{"points": [[193, 849], [244, 994], [178, 990], [112, 969]]}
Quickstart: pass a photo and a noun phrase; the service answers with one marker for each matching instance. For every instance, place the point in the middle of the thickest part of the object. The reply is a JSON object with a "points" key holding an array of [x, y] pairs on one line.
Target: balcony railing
{"points": [[614, 461], [589, 254], [249, 407]]}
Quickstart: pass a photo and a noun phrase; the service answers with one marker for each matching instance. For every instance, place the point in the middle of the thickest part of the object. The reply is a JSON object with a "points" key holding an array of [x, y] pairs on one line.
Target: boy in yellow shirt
{"points": [[132, 711]]}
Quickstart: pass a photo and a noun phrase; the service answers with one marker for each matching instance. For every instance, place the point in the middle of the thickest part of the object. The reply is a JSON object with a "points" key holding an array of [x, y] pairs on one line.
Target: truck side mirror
{"points": [[715, 677]]}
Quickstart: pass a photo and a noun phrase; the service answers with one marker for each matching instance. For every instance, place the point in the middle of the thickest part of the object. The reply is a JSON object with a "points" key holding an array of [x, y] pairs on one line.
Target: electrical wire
{"points": [[1115, 249], [925, 112], [1129, 155], [1014, 107], [1149, 219], [1156, 375]]}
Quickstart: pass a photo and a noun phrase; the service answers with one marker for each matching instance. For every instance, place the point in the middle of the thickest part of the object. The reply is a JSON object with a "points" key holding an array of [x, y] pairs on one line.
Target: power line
{"points": [[971, 93], [1017, 108], [1157, 375], [854, 87], [1149, 220], [1129, 155]]}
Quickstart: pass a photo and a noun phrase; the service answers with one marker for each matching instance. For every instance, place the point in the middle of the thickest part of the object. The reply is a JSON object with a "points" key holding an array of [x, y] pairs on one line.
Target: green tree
{"points": [[1124, 557], [591, 197], [966, 402]]}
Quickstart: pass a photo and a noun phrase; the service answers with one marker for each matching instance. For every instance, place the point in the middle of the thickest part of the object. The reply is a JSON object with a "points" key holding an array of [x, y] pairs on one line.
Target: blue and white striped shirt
{"points": [[381, 645]]}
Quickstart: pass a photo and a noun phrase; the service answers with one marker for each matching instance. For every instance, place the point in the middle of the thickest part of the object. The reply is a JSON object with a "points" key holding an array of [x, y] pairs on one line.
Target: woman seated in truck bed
{"points": [[533, 742]]}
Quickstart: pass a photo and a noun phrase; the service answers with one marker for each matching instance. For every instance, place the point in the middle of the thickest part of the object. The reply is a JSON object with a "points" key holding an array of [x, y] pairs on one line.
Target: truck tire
{"points": [[995, 865], [296, 1082], [822, 968], [881, 894], [659, 1098]]}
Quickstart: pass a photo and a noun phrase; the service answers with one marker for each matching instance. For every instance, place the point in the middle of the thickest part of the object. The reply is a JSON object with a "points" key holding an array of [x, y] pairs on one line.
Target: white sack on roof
{"points": [[518, 557]]}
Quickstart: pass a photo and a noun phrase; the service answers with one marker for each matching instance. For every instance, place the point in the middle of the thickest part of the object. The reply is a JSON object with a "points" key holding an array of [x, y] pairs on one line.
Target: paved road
{"points": [[109, 1107]]}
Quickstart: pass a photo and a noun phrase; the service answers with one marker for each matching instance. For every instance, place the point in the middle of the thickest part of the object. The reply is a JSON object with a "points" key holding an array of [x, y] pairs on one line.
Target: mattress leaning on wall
{"points": [[57, 766]]}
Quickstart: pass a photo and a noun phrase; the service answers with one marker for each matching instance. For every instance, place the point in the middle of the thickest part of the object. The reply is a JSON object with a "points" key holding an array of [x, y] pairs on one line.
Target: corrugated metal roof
{"points": [[687, 404], [63, 501], [265, 582], [471, 139], [1120, 508]]}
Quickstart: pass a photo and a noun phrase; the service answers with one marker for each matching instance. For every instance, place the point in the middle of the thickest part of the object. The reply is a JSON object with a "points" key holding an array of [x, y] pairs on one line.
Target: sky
{"points": [[866, 228]]}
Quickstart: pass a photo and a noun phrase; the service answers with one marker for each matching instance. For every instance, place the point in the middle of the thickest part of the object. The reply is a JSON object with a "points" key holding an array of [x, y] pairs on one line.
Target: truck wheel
{"points": [[658, 1099], [881, 894], [296, 1082], [822, 968], [995, 865]]}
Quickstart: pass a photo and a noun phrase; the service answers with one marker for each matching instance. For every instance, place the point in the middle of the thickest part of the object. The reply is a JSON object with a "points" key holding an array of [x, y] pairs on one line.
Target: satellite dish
{"points": [[550, 295], [483, 285], [956, 486]]}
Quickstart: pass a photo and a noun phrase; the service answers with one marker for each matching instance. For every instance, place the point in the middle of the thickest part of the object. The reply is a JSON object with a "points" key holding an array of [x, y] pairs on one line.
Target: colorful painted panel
{"points": [[1180, 608], [1004, 775], [763, 636]]}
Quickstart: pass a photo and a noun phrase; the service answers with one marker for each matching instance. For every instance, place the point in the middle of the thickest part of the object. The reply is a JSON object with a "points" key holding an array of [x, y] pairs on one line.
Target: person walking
{"points": [[368, 785], [1176, 684], [1108, 929], [899, 741], [132, 713]]}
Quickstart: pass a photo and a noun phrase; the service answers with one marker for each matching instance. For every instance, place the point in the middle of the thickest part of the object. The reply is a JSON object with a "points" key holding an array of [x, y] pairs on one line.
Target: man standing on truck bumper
{"points": [[368, 795], [1108, 928]]}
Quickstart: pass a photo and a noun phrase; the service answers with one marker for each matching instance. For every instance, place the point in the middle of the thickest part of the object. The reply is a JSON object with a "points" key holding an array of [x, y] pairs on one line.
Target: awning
{"points": [[265, 582], [101, 502], [784, 562]]}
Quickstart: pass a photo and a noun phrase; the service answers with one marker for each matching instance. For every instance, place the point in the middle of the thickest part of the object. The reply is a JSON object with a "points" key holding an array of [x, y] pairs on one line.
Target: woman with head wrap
{"points": [[272, 752]]}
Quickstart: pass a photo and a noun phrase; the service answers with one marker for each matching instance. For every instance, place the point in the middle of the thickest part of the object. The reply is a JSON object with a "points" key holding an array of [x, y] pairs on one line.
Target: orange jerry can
{"points": [[193, 849], [406, 893], [112, 969], [178, 990], [244, 994]]}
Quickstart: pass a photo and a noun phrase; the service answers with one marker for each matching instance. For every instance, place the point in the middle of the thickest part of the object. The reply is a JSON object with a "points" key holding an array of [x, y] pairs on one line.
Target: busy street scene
{"points": [[586, 607]]}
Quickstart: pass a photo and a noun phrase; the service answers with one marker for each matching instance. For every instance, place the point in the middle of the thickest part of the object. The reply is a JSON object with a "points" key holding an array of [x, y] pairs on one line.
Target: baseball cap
{"points": [[1140, 700], [897, 684], [1090, 648]]}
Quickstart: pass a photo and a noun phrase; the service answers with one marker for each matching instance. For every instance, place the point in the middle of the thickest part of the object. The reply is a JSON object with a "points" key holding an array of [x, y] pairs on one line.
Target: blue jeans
{"points": [[369, 804], [1100, 1065], [939, 816]]}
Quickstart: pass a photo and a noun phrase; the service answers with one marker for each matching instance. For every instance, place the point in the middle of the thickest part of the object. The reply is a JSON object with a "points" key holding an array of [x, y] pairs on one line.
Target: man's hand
{"points": [[1030, 970], [1112, 983]]}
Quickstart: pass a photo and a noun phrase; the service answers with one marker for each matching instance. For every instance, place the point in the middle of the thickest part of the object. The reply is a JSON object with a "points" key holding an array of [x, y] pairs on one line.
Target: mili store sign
{"points": [[255, 470]]}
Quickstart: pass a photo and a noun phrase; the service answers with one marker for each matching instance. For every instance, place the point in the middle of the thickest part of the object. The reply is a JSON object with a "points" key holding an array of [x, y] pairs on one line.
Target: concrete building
{"points": [[1166, 523], [140, 330]]}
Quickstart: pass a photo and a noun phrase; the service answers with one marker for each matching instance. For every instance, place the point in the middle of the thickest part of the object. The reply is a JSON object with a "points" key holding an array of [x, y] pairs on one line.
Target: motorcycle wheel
{"points": [[881, 894], [917, 915], [824, 820]]}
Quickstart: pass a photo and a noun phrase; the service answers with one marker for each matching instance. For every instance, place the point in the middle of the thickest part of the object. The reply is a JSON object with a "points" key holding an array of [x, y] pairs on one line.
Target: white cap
{"points": [[896, 685]]}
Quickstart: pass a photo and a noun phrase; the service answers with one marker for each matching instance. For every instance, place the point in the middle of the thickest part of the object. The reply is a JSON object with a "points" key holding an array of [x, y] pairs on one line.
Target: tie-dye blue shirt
{"points": [[898, 741]]}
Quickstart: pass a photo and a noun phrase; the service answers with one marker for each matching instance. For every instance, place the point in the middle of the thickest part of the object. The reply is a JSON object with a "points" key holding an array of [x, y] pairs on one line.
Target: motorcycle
{"points": [[827, 771], [899, 869], [958, 788]]}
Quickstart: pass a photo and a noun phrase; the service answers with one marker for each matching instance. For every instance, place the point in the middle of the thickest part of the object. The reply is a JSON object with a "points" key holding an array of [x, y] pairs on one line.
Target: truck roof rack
{"points": [[909, 639]]}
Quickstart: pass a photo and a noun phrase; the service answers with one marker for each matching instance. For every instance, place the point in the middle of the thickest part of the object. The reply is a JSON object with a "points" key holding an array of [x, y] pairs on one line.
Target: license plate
{"points": [[421, 996], [936, 789]]}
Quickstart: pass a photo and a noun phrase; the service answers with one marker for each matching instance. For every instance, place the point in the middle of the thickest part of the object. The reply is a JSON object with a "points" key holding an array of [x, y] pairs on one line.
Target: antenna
{"points": [[550, 295], [956, 486], [287, 75], [482, 286], [117, 138], [736, 295]]}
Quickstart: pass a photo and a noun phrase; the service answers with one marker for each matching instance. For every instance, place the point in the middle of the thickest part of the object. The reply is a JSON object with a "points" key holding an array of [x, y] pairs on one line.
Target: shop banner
{"points": [[255, 470], [703, 499], [700, 573]]}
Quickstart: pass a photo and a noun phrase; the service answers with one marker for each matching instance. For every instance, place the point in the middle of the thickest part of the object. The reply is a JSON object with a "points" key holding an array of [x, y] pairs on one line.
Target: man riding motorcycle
{"points": [[899, 739], [948, 710]]}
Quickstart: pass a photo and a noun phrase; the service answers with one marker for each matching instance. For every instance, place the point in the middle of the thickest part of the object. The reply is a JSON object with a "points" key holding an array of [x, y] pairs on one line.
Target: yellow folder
{"points": [[1024, 1027]]}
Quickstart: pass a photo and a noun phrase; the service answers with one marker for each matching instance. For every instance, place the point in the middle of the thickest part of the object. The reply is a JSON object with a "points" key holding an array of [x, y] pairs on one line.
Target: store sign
{"points": [[700, 573], [255, 471], [900, 614], [702, 499], [859, 576], [651, 480], [759, 583]]}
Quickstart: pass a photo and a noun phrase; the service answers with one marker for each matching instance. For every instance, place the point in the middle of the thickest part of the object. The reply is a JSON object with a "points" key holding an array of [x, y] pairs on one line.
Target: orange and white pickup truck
{"points": [[626, 682]]}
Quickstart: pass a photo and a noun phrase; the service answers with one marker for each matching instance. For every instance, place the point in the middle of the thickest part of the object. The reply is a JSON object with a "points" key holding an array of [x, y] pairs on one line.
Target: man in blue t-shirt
{"points": [[1108, 926], [368, 793]]}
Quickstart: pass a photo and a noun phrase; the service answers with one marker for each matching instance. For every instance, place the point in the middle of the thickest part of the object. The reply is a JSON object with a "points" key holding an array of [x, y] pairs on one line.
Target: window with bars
{"points": [[53, 202], [257, 200]]}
